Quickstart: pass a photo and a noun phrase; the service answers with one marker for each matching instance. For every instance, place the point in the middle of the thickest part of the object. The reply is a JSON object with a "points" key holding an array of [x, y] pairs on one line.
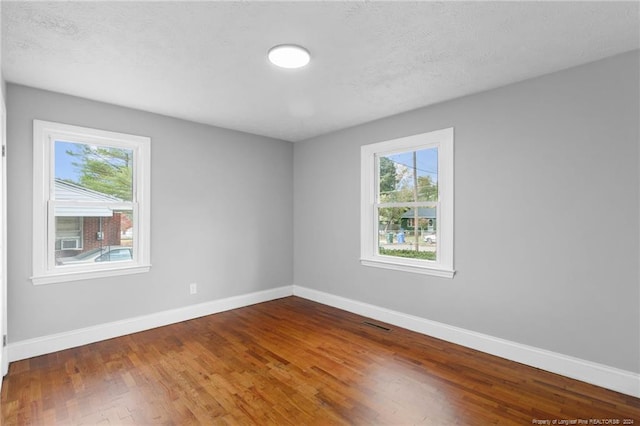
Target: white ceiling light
{"points": [[289, 56]]}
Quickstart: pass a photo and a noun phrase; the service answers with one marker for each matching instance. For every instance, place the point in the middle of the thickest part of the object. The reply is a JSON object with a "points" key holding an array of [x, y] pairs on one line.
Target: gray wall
{"points": [[546, 214], [221, 216]]}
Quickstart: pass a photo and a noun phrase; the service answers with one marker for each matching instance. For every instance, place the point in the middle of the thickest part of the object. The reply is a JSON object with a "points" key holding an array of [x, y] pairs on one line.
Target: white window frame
{"points": [[369, 154], [45, 133]]}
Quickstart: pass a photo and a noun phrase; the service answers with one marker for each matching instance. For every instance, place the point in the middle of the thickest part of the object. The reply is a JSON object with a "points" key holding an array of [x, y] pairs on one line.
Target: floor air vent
{"points": [[378, 326]]}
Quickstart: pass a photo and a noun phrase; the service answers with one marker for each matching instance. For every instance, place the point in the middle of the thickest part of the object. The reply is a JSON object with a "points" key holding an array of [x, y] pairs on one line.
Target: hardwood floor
{"points": [[292, 362]]}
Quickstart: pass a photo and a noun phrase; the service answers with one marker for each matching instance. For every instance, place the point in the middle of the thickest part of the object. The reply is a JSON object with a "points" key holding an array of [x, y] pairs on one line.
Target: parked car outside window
{"points": [[103, 254], [429, 238]]}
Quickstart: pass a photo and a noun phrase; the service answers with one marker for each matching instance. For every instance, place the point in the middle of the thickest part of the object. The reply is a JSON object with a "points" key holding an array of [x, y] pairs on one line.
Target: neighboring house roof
{"points": [[70, 191], [423, 213]]}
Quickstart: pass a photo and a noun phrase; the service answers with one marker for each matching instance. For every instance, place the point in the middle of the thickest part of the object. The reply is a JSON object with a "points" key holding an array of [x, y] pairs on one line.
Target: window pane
{"points": [[103, 236], [407, 232], [68, 233], [92, 173], [409, 176]]}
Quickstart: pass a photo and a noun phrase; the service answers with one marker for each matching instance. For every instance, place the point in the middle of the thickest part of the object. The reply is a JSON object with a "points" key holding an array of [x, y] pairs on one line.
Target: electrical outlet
{"points": [[193, 288]]}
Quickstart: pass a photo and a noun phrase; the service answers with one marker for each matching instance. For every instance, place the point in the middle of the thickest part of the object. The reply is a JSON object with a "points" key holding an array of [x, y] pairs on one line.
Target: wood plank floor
{"points": [[294, 362]]}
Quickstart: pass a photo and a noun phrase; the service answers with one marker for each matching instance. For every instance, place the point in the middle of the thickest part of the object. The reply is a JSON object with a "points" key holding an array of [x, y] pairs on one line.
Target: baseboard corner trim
{"points": [[66, 340], [605, 376]]}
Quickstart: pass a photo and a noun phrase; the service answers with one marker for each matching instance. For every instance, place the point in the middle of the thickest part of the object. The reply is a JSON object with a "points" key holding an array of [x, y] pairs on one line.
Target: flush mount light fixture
{"points": [[289, 56]]}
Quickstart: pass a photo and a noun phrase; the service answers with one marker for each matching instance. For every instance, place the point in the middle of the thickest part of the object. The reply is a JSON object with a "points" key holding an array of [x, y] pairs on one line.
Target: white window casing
{"points": [[44, 203], [443, 266]]}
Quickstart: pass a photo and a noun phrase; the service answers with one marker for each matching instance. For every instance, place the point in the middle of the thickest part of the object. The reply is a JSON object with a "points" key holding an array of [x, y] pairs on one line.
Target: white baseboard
{"points": [[56, 342], [597, 374]]}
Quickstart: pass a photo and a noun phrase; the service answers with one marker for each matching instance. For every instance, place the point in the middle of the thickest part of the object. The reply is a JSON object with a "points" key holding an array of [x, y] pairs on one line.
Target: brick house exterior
{"points": [[110, 231], [86, 228]]}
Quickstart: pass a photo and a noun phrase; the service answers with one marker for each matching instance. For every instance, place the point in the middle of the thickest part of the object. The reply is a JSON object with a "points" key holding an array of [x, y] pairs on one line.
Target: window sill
{"points": [[404, 266], [87, 275]]}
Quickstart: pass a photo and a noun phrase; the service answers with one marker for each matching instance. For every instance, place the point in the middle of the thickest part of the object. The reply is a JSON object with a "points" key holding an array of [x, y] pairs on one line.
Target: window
{"points": [[68, 233], [91, 203], [407, 204]]}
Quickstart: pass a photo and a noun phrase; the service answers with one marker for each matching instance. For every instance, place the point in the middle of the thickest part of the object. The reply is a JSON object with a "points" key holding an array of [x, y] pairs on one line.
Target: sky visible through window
{"points": [[64, 168], [72, 158], [102, 168], [426, 162]]}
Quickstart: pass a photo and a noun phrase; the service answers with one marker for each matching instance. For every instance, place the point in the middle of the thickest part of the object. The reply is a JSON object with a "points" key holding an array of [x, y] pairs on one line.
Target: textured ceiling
{"points": [[206, 61]]}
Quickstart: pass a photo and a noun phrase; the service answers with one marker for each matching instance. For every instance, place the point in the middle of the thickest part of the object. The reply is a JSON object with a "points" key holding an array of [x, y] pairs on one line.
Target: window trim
{"points": [[44, 135], [443, 141]]}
